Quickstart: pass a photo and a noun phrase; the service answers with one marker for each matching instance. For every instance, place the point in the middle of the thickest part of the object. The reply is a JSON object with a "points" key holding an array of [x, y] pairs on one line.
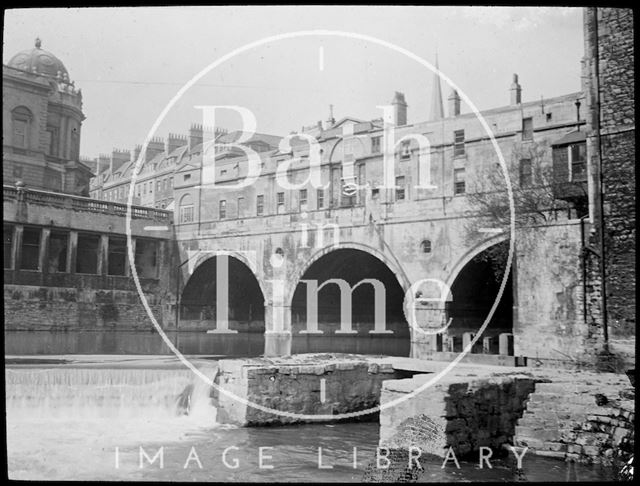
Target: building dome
{"points": [[39, 61]]}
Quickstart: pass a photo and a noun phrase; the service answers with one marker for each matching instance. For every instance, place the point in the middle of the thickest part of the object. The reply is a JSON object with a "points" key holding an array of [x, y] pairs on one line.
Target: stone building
{"points": [[66, 261], [609, 86], [42, 119], [162, 158]]}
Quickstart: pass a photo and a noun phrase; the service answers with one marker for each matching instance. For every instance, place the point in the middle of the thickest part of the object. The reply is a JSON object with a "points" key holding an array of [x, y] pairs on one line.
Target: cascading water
{"points": [[106, 393]]}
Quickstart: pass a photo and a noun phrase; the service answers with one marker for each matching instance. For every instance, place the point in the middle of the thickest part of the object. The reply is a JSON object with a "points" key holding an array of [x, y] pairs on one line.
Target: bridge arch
{"points": [[474, 282], [353, 301], [390, 262], [224, 297]]}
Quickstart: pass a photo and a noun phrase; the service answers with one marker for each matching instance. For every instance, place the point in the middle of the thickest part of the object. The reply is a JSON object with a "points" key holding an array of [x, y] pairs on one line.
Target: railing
{"points": [[80, 203]]}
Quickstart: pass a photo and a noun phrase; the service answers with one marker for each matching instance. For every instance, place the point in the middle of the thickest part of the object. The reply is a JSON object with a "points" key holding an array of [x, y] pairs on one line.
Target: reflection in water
{"points": [[191, 343]]}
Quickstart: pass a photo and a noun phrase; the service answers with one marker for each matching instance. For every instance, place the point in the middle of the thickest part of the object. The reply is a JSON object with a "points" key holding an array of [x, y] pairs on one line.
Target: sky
{"points": [[131, 62]]}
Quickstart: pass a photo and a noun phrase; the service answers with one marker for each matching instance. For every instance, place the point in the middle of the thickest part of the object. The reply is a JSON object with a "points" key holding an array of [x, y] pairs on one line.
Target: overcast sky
{"points": [[130, 62]]}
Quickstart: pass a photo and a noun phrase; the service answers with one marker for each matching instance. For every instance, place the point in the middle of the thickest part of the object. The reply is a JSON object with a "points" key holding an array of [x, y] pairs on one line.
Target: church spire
{"points": [[436, 111]]}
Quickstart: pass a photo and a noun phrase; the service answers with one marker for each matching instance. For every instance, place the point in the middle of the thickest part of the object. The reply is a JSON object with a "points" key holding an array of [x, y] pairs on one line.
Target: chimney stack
{"points": [[105, 161], [330, 121], [399, 109], [195, 136], [135, 153], [154, 147], [119, 157], [454, 103], [516, 91], [174, 142]]}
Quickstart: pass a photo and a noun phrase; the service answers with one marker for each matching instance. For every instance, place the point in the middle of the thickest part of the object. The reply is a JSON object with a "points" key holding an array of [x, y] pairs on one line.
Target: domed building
{"points": [[42, 119]]}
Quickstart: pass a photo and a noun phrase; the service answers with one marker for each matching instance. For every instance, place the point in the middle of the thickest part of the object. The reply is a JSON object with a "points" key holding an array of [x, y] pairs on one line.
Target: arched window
{"points": [[186, 209], [21, 119], [425, 246]]}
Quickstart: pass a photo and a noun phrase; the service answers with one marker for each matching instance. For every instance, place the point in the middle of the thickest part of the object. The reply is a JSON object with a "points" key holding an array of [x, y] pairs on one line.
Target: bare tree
{"points": [[534, 201]]}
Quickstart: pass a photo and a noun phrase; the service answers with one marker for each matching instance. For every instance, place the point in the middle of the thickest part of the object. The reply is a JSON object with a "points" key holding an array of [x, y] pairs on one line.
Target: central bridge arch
{"points": [[371, 289]]}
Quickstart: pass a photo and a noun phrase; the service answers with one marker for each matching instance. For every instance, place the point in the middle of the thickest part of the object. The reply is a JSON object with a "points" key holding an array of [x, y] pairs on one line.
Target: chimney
{"points": [[174, 142], [135, 153], [330, 121], [399, 109], [516, 91], [104, 161], [119, 157], [154, 147], [454, 103], [195, 136]]}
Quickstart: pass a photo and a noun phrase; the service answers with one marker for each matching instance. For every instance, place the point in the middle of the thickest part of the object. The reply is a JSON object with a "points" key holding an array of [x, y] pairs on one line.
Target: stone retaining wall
{"points": [[463, 413], [294, 384]]}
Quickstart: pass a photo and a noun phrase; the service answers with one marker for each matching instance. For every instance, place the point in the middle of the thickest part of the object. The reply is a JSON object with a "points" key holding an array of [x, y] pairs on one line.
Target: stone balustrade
{"points": [[79, 203]]}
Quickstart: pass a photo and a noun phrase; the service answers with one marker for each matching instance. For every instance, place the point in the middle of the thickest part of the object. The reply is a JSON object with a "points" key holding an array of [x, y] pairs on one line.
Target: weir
{"points": [[104, 392]]}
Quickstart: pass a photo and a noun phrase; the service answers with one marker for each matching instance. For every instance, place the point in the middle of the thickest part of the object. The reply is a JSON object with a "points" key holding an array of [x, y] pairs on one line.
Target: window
{"points": [[280, 202], [53, 140], [146, 258], [303, 199], [223, 172], [375, 144], [549, 117], [458, 181], [170, 181], [58, 247], [138, 190], [187, 177], [526, 173], [405, 149], [87, 253], [21, 119], [30, 249], [144, 187], [578, 154], [186, 209], [117, 256], [400, 188], [458, 143], [320, 198], [527, 129], [7, 236], [223, 209], [150, 187], [425, 246], [240, 207], [260, 205]]}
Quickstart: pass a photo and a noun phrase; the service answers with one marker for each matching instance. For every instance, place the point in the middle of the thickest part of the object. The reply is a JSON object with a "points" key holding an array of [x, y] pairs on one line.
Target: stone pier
{"points": [[305, 384]]}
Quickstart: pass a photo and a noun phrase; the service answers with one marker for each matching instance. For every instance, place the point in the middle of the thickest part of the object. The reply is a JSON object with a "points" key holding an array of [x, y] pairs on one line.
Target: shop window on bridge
{"points": [[526, 173], [7, 232], [30, 249], [280, 202], [303, 200], [459, 186], [87, 253], [458, 143], [527, 129], [58, 248], [223, 209], [320, 198], [146, 258], [260, 205], [117, 256], [375, 144], [405, 150], [186, 209], [400, 191]]}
